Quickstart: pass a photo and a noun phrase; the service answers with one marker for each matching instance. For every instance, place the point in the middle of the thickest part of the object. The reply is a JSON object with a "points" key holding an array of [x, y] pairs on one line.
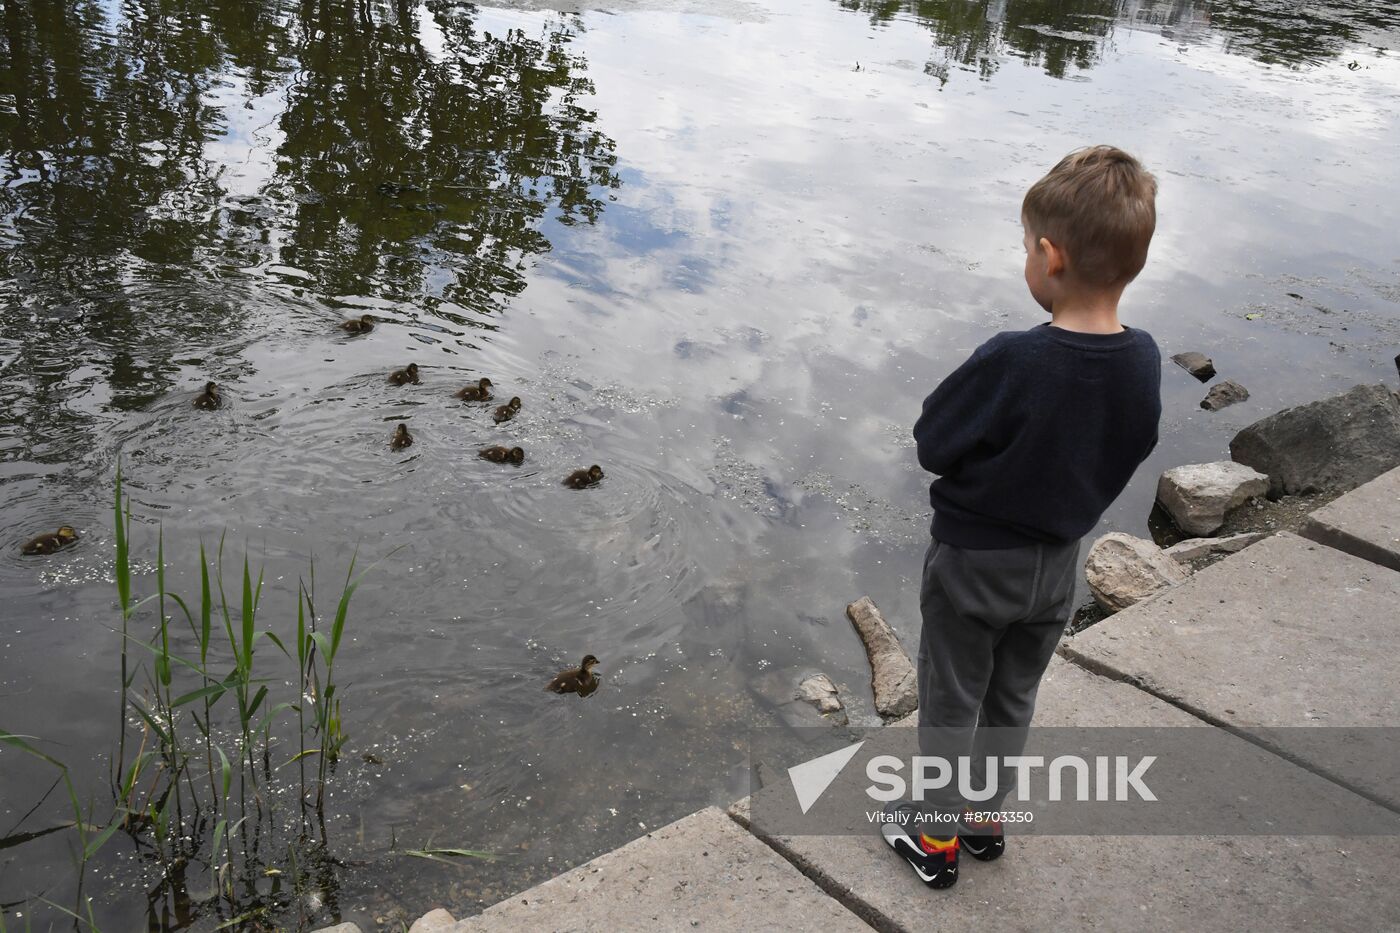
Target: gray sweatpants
{"points": [[991, 621]]}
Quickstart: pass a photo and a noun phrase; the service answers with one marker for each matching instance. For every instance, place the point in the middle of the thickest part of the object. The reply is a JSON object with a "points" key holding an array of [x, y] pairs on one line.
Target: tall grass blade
{"points": [[213, 691], [150, 720], [123, 568], [205, 605], [163, 661], [97, 842], [249, 610], [342, 611], [226, 771]]}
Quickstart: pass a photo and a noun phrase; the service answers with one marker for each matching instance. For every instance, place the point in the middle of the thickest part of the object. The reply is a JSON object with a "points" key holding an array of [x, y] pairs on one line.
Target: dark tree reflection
{"points": [[1063, 36], [412, 156], [400, 161]]}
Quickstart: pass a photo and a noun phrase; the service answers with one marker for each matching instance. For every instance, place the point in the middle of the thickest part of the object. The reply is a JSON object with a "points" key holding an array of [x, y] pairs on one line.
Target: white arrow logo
{"points": [[811, 778]]}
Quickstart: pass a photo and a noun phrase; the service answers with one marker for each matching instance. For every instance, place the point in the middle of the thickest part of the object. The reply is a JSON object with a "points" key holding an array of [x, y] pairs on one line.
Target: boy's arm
{"points": [[961, 412]]}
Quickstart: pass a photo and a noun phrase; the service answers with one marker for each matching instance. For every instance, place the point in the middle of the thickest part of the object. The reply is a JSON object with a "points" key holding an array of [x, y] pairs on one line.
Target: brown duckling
{"points": [[210, 398], [580, 680], [515, 455], [54, 541], [481, 392], [582, 479], [507, 411], [360, 325], [402, 377], [401, 438]]}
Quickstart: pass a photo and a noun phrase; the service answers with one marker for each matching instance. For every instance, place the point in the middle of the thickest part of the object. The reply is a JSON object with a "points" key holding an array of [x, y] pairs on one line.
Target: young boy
{"points": [[1032, 438]]}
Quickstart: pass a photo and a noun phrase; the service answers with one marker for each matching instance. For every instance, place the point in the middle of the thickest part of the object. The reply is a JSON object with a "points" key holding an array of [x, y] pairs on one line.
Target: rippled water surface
{"points": [[721, 249]]}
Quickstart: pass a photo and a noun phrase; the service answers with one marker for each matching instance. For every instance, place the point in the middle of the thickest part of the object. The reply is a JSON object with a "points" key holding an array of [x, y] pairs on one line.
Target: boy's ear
{"points": [[1054, 257]]}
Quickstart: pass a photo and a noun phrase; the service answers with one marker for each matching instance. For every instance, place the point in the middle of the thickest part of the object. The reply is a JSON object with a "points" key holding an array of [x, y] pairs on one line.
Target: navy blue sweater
{"points": [[1037, 433]]}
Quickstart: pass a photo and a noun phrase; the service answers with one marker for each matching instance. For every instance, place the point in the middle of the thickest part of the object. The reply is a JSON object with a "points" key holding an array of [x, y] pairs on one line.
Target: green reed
{"points": [[199, 793], [89, 837]]}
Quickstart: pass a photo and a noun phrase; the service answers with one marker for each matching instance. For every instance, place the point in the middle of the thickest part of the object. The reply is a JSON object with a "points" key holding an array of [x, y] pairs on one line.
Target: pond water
{"points": [[722, 249]]}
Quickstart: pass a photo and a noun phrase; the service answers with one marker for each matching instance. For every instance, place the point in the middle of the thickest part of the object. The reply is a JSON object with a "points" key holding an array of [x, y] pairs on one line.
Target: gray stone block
{"points": [[1285, 633], [1193, 549], [1333, 444], [1198, 496], [1364, 522], [703, 872], [1138, 883]]}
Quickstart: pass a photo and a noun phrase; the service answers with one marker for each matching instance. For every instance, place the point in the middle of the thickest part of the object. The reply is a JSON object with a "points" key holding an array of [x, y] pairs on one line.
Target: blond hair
{"points": [[1098, 205]]}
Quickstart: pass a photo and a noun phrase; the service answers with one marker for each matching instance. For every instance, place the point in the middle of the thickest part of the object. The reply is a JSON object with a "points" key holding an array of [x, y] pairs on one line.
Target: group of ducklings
{"points": [[481, 392], [580, 680], [211, 399]]}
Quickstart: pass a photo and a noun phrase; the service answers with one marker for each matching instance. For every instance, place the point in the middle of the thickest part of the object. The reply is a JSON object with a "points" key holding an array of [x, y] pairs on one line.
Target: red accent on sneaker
{"points": [[931, 846]]}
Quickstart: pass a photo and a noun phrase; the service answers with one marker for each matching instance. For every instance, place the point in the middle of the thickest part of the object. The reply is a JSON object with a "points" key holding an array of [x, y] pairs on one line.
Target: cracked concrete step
{"points": [[1364, 522], [1285, 633], [702, 872], [1118, 883]]}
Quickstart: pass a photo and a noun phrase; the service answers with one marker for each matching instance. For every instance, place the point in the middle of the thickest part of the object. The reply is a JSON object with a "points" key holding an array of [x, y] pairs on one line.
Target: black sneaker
{"points": [[983, 841], [935, 861]]}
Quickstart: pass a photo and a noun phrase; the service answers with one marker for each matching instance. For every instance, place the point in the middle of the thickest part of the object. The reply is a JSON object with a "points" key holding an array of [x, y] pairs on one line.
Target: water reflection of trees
{"points": [[400, 161], [416, 158], [1055, 35], [1295, 34], [1061, 35]]}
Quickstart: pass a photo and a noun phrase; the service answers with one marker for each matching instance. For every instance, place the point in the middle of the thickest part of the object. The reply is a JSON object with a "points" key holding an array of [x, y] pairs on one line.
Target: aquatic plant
{"points": [[89, 838], [199, 797]]}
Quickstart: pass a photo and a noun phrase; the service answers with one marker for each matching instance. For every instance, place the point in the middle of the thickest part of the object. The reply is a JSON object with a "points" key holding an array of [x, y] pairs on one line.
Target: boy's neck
{"points": [[1088, 314]]}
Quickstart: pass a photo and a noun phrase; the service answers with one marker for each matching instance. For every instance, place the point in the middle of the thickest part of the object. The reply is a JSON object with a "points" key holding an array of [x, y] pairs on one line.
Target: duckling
{"points": [[210, 398], [481, 392], [582, 479], [580, 680], [47, 544], [507, 411], [402, 377], [360, 325], [515, 455], [401, 438]]}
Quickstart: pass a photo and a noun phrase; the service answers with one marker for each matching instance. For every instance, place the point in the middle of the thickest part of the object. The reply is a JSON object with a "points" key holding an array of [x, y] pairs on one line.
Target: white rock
{"points": [[1196, 548], [1199, 495], [891, 672], [434, 921], [1122, 570], [820, 692]]}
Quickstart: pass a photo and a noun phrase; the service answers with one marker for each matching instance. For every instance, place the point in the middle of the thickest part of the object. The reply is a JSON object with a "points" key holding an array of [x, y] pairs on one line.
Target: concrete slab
{"points": [[702, 872], [1364, 522], [1286, 633], [1117, 883]]}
